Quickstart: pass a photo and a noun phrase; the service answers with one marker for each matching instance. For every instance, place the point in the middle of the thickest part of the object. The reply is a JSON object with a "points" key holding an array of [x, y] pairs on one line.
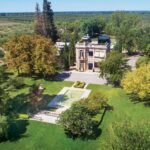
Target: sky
{"points": [[75, 5]]}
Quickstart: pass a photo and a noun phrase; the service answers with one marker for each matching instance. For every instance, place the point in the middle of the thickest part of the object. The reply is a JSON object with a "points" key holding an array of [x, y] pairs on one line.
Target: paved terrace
{"points": [[88, 77]]}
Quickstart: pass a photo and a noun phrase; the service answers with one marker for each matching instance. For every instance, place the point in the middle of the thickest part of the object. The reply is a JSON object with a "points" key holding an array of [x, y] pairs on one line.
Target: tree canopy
{"points": [[138, 81], [93, 27], [31, 55], [124, 26], [113, 67]]}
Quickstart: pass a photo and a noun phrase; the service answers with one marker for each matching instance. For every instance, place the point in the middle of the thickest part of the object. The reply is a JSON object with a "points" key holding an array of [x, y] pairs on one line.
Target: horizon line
{"points": [[82, 11]]}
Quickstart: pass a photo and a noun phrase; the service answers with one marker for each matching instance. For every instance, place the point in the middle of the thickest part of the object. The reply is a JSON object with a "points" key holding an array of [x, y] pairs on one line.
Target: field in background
{"points": [[20, 23]]}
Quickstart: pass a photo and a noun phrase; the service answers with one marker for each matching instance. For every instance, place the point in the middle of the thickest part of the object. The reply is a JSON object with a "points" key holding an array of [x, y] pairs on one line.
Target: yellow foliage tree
{"points": [[44, 56], [19, 53], [138, 82], [31, 54]]}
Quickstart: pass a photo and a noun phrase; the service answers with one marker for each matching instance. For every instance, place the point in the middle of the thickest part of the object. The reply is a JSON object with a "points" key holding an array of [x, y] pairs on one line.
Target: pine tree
{"points": [[38, 21], [66, 57], [48, 19], [72, 51]]}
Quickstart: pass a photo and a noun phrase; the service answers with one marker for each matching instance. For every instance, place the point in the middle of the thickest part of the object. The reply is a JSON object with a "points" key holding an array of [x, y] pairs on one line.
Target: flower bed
{"points": [[79, 84]]}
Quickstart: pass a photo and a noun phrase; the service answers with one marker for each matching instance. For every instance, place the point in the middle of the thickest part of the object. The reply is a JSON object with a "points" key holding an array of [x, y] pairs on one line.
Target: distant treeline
{"points": [[71, 13], [66, 16]]}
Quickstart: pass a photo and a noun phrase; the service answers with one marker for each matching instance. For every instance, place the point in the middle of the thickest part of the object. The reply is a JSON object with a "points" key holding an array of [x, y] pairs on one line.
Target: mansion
{"points": [[89, 53]]}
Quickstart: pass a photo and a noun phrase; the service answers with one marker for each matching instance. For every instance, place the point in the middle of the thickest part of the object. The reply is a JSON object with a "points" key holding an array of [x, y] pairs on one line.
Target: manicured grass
{"points": [[21, 95], [123, 109], [51, 87], [41, 136]]}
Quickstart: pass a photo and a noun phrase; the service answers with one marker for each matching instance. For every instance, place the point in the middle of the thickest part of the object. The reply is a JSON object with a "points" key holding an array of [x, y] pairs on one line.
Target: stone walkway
{"points": [[52, 117]]}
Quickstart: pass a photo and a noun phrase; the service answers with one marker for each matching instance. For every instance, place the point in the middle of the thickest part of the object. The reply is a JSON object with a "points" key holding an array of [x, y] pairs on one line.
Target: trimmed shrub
{"points": [[95, 102]]}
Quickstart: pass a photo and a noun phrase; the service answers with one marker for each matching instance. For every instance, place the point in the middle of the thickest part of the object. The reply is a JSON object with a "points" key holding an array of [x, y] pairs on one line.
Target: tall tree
{"points": [[66, 57], [113, 67], [143, 40], [48, 18], [38, 21], [72, 50], [93, 27], [124, 28]]}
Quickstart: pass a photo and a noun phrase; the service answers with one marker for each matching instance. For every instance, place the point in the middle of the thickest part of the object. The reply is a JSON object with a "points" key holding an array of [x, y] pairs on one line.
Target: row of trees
{"points": [[31, 54]]}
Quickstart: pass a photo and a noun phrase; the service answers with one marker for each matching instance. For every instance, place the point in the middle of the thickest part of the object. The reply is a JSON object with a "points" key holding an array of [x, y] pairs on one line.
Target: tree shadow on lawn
{"points": [[16, 130], [96, 133], [62, 76], [136, 100], [20, 104], [46, 100]]}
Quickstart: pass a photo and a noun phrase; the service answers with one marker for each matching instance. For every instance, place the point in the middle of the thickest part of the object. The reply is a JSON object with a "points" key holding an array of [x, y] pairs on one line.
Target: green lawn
{"points": [[51, 87], [123, 109], [41, 136]]}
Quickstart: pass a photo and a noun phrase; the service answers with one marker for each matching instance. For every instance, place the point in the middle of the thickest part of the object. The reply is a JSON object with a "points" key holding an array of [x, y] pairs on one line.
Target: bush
{"points": [[95, 102], [79, 84], [77, 121], [127, 136]]}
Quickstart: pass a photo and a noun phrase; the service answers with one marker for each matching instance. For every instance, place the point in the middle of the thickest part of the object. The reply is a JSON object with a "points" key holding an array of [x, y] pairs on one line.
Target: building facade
{"points": [[90, 53]]}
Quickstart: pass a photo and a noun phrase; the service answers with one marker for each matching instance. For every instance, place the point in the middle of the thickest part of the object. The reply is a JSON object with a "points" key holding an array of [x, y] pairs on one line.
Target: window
{"points": [[81, 53], [90, 66], [90, 53]]}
